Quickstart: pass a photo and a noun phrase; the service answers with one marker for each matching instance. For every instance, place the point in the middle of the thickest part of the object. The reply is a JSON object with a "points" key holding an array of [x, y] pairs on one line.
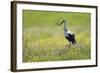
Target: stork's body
{"points": [[70, 36]]}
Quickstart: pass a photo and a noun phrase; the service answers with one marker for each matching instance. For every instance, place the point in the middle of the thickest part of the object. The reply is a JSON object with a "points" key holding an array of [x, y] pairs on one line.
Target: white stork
{"points": [[70, 36]]}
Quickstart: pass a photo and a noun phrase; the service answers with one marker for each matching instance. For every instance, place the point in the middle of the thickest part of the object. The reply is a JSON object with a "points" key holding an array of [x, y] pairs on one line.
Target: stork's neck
{"points": [[65, 29]]}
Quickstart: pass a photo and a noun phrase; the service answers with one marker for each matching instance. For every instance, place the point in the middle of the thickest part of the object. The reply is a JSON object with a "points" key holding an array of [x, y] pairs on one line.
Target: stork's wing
{"points": [[69, 32]]}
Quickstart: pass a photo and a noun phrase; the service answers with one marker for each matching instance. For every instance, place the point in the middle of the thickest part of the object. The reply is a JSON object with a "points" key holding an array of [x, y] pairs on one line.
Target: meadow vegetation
{"points": [[43, 38]]}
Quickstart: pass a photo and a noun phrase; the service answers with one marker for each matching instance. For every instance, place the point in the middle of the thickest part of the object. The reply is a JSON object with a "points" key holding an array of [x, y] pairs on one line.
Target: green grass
{"points": [[43, 39]]}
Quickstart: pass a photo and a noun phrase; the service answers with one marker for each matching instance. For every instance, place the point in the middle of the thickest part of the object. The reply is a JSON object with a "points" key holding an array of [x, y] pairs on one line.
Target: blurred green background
{"points": [[43, 38]]}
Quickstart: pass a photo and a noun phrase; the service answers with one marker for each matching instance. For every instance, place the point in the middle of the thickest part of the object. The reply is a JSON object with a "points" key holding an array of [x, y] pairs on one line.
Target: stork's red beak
{"points": [[62, 22]]}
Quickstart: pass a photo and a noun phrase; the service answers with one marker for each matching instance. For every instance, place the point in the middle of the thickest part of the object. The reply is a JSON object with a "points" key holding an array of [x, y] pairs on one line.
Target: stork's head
{"points": [[62, 22]]}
